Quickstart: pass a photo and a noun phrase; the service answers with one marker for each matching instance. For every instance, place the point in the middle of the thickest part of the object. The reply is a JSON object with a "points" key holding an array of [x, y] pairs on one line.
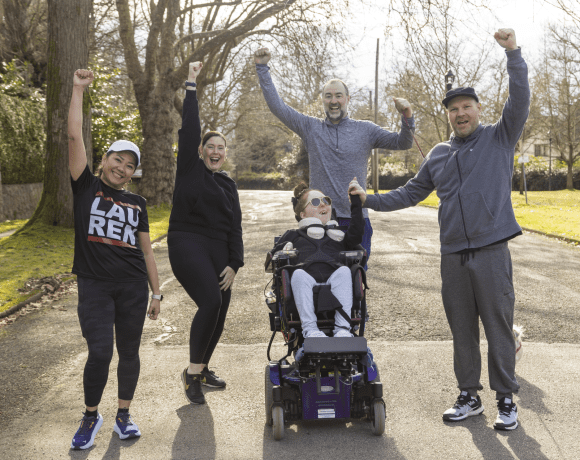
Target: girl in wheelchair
{"points": [[319, 241]]}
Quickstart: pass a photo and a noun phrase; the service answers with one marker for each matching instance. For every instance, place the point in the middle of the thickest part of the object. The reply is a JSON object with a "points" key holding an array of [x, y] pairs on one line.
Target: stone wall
{"points": [[19, 201]]}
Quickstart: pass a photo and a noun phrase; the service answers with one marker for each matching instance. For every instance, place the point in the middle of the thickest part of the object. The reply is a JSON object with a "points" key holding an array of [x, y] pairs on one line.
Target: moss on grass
{"points": [[44, 250], [11, 225]]}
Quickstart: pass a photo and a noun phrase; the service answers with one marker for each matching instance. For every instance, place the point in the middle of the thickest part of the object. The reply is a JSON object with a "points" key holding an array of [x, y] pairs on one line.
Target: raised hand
{"points": [[506, 39], [194, 70], [403, 106], [354, 188], [262, 56], [83, 78]]}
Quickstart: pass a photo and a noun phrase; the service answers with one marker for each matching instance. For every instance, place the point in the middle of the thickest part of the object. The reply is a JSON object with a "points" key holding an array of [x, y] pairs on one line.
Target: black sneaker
{"points": [[208, 378], [192, 387], [464, 407], [507, 417]]}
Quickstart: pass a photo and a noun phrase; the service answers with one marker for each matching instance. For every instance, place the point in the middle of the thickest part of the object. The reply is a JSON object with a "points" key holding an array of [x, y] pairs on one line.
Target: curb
{"points": [[552, 235], [159, 238], [34, 298], [15, 308]]}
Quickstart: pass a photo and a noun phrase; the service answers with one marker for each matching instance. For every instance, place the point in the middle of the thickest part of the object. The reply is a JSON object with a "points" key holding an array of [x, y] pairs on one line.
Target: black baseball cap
{"points": [[461, 91]]}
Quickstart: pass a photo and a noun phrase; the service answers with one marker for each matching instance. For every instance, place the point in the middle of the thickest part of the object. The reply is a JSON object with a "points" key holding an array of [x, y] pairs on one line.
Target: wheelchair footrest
{"points": [[331, 345]]}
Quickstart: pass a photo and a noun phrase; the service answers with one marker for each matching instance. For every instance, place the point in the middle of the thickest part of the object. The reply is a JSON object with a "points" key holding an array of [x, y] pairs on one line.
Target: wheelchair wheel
{"points": [[278, 422], [378, 417], [268, 389]]}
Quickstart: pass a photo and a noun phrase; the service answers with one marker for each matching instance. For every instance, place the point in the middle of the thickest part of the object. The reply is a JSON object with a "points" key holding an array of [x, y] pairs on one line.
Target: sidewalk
{"points": [[231, 424]]}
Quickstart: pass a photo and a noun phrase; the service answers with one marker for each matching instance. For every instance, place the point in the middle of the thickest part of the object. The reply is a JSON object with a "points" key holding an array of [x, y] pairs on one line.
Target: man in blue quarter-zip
{"points": [[338, 146], [472, 174]]}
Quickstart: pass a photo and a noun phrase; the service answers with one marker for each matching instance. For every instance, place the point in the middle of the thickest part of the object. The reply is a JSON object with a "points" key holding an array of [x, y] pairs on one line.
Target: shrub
{"points": [[22, 139]]}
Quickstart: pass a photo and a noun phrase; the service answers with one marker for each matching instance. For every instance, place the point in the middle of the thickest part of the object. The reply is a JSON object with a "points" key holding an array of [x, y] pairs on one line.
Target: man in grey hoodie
{"points": [[472, 174], [338, 146]]}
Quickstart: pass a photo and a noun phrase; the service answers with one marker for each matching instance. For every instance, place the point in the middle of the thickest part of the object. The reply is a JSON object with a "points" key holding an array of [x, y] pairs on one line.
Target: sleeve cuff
{"points": [[410, 120], [235, 265]]}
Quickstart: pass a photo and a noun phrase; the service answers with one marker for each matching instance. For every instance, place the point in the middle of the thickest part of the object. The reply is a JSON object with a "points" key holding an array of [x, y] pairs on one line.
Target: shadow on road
{"points": [[310, 439], [195, 434]]}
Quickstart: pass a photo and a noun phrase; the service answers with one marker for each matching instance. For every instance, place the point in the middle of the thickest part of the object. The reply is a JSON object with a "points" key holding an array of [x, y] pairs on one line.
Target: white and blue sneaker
{"points": [[125, 427], [464, 407], [85, 435], [507, 417]]}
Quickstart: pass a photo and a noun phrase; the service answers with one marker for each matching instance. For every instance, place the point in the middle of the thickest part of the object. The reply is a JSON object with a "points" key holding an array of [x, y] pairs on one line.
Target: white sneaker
{"points": [[464, 407], [507, 417]]}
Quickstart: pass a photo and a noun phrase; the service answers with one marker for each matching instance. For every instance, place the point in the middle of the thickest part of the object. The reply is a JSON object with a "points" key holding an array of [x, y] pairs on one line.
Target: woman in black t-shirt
{"points": [[204, 238], [113, 261]]}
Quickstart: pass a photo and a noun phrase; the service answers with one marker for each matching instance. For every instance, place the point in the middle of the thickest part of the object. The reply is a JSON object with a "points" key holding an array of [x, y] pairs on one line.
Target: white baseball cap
{"points": [[125, 146]]}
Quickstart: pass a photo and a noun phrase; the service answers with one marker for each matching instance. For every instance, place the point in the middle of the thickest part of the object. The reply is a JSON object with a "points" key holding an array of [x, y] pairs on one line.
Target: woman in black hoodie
{"points": [[204, 238]]}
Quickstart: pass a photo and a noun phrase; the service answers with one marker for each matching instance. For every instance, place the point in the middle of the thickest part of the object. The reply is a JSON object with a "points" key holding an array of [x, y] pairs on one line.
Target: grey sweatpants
{"points": [[481, 288]]}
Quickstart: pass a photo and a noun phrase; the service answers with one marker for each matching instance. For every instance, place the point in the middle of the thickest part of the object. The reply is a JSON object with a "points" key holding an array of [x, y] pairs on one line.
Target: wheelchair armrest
{"points": [[286, 286], [359, 282]]}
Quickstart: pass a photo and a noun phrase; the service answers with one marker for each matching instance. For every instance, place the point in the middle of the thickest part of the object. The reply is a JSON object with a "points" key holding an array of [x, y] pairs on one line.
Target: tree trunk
{"points": [[158, 161], [570, 175], [68, 50], [1, 200]]}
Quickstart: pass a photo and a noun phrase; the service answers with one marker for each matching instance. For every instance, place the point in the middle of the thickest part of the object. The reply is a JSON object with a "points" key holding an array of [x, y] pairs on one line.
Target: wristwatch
{"points": [[189, 83], [157, 297]]}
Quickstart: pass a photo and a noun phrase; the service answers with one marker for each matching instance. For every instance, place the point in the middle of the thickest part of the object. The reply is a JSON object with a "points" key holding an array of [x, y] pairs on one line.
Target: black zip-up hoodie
{"points": [[204, 202]]}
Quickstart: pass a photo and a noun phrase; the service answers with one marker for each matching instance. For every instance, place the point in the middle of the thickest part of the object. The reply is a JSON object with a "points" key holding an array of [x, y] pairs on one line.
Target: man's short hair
{"points": [[336, 80]]}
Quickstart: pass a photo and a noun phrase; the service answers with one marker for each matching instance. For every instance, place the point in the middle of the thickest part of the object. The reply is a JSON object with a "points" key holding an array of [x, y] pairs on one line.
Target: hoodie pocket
{"points": [[478, 217], [450, 222]]}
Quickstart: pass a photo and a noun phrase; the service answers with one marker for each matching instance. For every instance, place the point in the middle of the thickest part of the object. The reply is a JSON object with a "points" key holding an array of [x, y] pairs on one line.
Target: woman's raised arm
{"points": [[77, 155]]}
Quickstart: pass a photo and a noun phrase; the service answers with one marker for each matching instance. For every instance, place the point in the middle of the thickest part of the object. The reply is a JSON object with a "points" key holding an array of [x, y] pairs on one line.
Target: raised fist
{"points": [[354, 188], [403, 106], [506, 39], [83, 78], [194, 69], [262, 56]]}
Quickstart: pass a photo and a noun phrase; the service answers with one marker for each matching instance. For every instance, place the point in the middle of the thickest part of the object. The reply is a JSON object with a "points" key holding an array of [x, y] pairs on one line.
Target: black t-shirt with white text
{"points": [[106, 225]]}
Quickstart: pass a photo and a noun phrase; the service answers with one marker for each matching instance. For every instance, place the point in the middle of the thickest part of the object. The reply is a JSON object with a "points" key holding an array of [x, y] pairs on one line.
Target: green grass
{"points": [[45, 251], [556, 213]]}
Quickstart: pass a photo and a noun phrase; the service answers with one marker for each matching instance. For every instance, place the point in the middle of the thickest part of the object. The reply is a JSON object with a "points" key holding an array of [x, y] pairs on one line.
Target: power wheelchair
{"points": [[330, 378]]}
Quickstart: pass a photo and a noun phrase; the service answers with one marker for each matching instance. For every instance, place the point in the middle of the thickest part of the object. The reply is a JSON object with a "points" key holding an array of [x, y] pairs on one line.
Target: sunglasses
{"points": [[317, 201]]}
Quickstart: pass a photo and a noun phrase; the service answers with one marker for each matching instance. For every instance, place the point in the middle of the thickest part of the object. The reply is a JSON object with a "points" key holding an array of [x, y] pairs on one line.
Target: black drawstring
{"points": [[466, 254]]}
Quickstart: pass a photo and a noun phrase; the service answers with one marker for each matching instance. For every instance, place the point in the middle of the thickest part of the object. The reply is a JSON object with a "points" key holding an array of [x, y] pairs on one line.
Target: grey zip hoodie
{"points": [[472, 175], [336, 153]]}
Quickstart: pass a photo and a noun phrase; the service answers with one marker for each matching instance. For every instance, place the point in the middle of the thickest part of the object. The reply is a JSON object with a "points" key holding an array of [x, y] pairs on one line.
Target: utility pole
{"points": [[449, 78], [375, 154]]}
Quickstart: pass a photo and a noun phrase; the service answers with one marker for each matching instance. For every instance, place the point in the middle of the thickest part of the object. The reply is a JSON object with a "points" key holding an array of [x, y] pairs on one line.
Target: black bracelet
{"points": [[188, 83]]}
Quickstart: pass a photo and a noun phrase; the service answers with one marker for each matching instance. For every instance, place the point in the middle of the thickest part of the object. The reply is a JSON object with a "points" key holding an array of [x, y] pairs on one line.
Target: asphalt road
{"points": [[42, 356]]}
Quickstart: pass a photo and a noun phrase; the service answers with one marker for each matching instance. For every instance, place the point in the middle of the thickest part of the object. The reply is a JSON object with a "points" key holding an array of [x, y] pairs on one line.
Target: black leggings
{"points": [[197, 262], [109, 310]]}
